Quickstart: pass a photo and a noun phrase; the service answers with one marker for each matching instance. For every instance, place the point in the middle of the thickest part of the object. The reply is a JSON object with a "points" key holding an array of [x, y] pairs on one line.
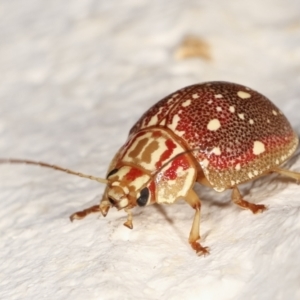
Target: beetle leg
{"points": [[102, 208], [83, 213], [237, 198], [202, 180], [128, 223], [288, 173], [193, 200], [201, 177]]}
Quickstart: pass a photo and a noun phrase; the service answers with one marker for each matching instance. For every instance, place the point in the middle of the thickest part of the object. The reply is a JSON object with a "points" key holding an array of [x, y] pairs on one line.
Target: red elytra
{"points": [[219, 134], [238, 133]]}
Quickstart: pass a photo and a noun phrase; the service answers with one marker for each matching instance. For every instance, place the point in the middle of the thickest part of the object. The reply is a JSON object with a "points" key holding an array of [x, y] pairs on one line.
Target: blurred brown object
{"points": [[193, 46]]}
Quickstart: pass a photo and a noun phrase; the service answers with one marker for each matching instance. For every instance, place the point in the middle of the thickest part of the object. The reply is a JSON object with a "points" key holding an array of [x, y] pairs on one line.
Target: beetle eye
{"points": [[143, 198], [111, 200], [112, 172]]}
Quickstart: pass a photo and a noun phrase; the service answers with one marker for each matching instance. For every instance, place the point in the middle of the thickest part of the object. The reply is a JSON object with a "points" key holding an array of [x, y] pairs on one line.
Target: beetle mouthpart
{"points": [[122, 204], [117, 198], [104, 208]]}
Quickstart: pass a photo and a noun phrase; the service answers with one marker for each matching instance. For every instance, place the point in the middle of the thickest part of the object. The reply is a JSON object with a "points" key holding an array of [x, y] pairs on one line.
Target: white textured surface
{"points": [[74, 76]]}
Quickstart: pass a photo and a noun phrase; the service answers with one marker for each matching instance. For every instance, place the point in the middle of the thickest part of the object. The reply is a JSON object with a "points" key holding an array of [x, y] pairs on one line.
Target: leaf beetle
{"points": [[218, 134]]}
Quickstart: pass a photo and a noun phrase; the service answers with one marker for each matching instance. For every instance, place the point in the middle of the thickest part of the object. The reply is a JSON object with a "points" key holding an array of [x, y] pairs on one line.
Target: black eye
{"points": [[112, 201], [112, 172], [143, 198]]}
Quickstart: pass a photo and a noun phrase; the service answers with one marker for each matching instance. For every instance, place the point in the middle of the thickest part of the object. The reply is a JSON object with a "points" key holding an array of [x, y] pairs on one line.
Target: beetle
{"points": [[219, 134]]}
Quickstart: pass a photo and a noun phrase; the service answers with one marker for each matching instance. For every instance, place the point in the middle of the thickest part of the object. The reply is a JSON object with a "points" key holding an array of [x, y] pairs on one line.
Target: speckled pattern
{"points": [[74, 77], [237, 133]]}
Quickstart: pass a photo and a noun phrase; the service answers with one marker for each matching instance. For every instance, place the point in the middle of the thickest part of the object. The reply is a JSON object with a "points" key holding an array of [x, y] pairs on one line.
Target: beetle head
{"points": [[127, 187]]}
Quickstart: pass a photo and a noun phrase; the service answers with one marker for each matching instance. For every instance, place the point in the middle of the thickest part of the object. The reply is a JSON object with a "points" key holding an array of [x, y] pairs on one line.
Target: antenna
{"points": [[42, 164]]}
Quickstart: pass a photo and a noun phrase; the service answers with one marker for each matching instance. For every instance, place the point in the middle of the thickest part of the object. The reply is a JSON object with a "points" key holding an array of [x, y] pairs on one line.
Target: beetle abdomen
{"points": [[237, 133]]}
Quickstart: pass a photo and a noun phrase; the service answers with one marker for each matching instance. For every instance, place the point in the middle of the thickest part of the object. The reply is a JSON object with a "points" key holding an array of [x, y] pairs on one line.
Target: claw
{"points": [[199, 249], [128, 223]]}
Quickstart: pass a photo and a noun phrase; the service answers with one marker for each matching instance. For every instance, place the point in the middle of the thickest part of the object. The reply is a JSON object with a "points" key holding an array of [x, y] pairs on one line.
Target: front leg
{"points": [[193, 200], [102, 208], [83, 213], [128, 222]]}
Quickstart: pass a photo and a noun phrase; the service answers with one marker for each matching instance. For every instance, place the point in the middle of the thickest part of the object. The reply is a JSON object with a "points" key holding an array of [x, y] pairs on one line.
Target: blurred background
{"points": [[74, 77]]}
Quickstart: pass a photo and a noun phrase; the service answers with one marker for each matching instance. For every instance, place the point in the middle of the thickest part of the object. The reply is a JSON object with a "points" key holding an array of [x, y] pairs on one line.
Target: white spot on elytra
{"points": [[242, 116], [219, 108], [255, 172], [216, 151], [238, 167], [180, 172], [250, 175], [174, 125], [218, 96], [186, 103], [243, 95], [274, 112], [277, 161], [268, 120], [258, 148], [213, 125], [195, 96], [205, 163], [232, 182], [232, 109], [210, 102], [219, 189], [251, 121]]}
